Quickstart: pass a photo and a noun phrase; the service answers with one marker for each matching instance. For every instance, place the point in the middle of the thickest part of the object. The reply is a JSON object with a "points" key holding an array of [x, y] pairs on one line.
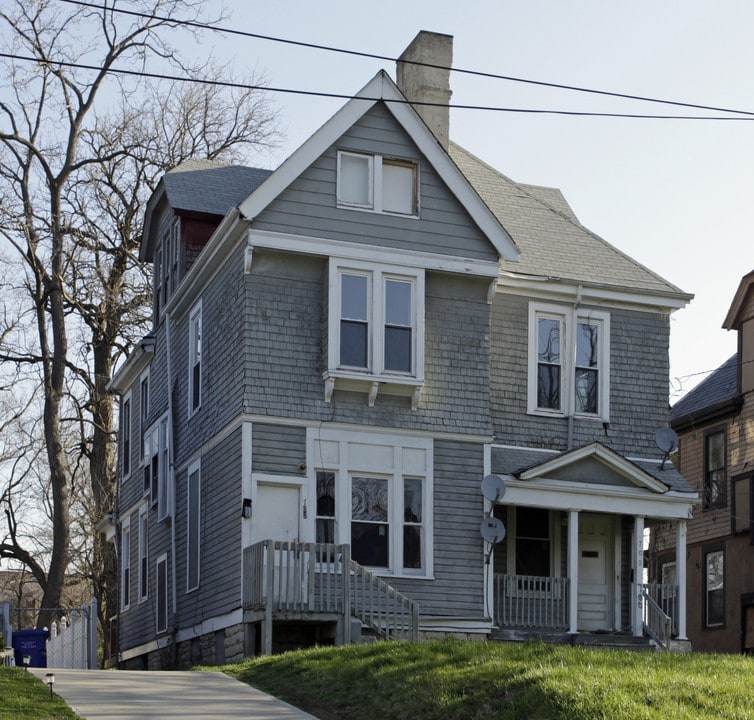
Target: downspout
{"points": [[572, 352], [171, 486]]}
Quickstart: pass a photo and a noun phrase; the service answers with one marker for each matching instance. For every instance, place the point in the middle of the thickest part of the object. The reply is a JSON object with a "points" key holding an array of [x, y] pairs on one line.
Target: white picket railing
{"points": [[73, 644], [532, 602]]}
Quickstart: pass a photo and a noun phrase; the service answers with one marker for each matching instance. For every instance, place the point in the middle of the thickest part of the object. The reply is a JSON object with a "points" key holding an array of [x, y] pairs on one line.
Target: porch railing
{"points": [[659, 612], [530, 601], [319, 578]]}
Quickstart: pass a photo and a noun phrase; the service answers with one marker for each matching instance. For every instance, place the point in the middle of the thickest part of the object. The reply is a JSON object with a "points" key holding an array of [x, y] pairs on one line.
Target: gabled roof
{"points": [[531, 464], [740, 302], [713, 397], [382, 89], [552, 241]]}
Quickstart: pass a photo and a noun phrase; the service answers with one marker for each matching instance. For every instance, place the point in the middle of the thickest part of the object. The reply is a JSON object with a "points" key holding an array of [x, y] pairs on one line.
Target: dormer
{"points": [[183, 213]]}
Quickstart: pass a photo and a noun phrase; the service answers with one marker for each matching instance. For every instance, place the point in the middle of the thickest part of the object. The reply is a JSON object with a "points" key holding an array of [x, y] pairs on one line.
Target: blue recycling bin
{"points": [[32, 643]]}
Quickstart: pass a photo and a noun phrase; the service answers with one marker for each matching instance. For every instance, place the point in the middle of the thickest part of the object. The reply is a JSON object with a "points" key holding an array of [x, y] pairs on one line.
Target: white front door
{"points": [[277, 512], [595, 601]]}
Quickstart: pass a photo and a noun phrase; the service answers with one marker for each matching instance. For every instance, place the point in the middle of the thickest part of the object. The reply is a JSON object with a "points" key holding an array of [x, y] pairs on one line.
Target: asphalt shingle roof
{"points": [[552, 241], [720, 387], [208, 186]]}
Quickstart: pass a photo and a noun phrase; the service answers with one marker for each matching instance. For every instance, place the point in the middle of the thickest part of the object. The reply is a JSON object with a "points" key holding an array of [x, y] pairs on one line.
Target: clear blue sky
{"points": [[675, 195]]}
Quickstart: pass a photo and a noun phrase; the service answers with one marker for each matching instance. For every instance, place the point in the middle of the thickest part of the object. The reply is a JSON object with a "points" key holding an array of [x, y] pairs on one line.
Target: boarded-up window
{"points": [[193, 524]]}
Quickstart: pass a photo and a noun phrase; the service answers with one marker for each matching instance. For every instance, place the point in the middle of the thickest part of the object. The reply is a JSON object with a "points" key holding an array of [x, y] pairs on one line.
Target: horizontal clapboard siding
{"points": [[277, 449], [308, 205]]}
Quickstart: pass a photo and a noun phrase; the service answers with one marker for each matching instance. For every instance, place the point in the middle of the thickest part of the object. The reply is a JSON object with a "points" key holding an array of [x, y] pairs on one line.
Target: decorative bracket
{"points": [[375, 386], [248, 257], [329, 388], [491, 291]]}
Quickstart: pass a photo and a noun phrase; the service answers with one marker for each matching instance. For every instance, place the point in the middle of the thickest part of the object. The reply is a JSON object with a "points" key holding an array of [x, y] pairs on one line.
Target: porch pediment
{"points": [[593, 464]]}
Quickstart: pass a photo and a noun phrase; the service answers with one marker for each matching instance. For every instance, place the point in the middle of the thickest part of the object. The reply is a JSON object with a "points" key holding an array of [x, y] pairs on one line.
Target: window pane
{"points": [[548, 386], [398, 349], [398, 303], [369, 499], [532, 542], [742, 505], [586, 391], [412, 500], [399, 188], [715, 451], [715, 588], [369, 544], [353, 344], [354, 184], [549, 340], [587, 345], [412, 547], [353, 297], [325, 523]]}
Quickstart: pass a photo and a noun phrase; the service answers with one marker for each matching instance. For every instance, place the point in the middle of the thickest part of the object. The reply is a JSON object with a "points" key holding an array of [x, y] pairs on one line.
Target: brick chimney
{"points": [[422, 84]]}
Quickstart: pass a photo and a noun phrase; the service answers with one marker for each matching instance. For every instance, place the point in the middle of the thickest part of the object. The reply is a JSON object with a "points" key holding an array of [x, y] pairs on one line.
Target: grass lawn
{"points": [[453, 680], [25, 697]]}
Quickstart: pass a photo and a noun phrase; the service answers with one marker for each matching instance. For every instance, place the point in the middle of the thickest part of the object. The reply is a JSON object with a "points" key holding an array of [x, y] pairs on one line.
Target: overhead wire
{"points": [[477, 73]]}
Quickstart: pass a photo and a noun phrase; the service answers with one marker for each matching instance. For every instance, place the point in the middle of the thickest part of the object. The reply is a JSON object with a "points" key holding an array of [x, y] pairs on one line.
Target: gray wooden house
{"points": [[342, 350]]}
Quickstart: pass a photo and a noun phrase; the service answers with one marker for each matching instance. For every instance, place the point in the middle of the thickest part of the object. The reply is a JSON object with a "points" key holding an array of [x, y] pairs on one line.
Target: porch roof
{"points": [[521, 461]]}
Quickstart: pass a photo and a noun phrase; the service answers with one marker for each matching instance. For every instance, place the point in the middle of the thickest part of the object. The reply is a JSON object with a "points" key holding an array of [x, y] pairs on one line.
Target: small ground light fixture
{"points": [[27, 660], [50, 680]]}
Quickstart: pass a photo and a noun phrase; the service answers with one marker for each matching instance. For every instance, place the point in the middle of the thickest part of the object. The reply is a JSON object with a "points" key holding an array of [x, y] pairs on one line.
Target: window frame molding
{"points": [[747, 478], [375, 378], [194, 314], [569, 316], [160, 491], [125, 563], [350, 453], [706, 552], [143, 583], [162, 560], [144, 381], [707, 505], [126, 434], [375, 181]]}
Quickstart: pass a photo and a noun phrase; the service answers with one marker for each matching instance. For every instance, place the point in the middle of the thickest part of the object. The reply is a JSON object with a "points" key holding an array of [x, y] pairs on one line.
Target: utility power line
{"points": [[478, 73]]}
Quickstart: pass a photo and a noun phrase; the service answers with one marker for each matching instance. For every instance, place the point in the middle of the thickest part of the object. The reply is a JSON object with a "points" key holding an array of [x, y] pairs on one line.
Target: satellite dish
{"points": [[493, 487], [666, 439], [493, 530]]}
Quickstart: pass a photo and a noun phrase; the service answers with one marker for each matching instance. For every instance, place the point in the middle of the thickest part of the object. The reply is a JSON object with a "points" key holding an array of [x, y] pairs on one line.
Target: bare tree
{"points": [[81, 150]]}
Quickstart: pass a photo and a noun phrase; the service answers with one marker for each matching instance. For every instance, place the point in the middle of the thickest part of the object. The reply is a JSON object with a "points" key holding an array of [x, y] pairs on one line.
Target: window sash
{"points": [[195, 360], [325, 510], [714, 588], [715, 476], [125, 544], [378, 184], [126, 434], [161, 585], [143, 556]]}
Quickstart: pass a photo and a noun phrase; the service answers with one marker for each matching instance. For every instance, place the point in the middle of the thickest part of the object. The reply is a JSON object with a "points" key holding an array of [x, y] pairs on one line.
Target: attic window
{"points": [[377, 184]]}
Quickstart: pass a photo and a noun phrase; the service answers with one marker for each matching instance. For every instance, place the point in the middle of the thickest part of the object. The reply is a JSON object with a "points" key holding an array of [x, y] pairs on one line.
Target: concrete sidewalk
{"points": [[148, 695]]}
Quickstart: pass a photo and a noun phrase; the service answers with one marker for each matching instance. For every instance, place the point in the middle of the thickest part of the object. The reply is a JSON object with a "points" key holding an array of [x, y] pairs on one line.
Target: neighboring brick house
{"points": [[342, 350], [715, 425]]}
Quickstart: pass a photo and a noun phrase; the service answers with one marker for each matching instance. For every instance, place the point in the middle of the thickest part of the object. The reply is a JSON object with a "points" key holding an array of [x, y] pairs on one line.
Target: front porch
{"points": [[318, 584], [530, 607]]}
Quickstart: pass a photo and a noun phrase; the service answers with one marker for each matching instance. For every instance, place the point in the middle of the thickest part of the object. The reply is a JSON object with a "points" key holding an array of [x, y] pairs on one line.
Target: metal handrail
{"points": [[656, 623]]}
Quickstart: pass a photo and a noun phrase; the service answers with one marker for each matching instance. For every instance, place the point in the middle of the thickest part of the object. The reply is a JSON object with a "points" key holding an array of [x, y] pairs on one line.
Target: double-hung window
{"points": [[714, 589], [144, 409], [193, 526], [376, 323], [715, 474], [156, 468], [125, 433], [378, 184], [569, 357], [195, 359], [125, 563], [161, 587], [143, 554]]}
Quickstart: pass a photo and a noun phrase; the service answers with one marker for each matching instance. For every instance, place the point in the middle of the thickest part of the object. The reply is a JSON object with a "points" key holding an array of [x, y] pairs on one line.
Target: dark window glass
{"points": [[353, 344], [162, 596], [354, 323], [548, 387], [325, 523], [715, 588], [715, 471], [369, 521], [398, 349], [412, 518], [126, 437], [532, 542], [548, 370]]}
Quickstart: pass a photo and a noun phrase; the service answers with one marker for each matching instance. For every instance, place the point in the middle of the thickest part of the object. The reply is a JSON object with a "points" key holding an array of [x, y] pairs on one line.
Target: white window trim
{"points": [[375, 378], [375, 164], [143, 554], [341, 443], [569, 317], [143, 411], [159, 431], [195, 467], [196, 312], [127, 436], [162, 560], [125, 563]]}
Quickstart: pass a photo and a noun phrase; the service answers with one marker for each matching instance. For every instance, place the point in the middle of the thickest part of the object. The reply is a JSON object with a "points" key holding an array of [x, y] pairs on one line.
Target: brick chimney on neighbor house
{"points": [[423, 84]]}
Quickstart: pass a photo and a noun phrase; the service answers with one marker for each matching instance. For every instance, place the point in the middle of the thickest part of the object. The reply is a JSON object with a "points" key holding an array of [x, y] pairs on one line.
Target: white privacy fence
{"points": [[73, 642]]}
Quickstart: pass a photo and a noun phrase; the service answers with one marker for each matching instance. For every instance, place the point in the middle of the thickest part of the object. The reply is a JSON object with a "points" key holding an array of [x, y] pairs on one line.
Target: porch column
{"points": [[573, 571], [680, 569], [637, 562]]}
